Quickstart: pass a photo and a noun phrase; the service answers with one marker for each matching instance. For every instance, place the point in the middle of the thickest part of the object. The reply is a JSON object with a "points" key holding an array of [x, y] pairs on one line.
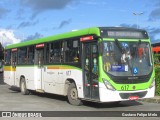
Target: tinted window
{"points": [[22, 55], [31, 55], [71, 51], [55, 54], [8, 57]]}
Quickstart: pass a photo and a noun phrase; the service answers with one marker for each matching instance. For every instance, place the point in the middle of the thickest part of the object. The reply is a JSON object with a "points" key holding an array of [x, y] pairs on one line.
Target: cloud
{"points": [[9, 27], [157, 3], [153, 32], [93, 2], [20, 14], [128, 25], [155, 13], [39, 6], [27, 24], [35, 36], [8, 37], [64, 23], [3, 12]]}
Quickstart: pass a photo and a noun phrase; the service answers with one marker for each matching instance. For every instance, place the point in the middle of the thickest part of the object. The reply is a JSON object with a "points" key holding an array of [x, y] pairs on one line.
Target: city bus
{"points": [[100, 64]]}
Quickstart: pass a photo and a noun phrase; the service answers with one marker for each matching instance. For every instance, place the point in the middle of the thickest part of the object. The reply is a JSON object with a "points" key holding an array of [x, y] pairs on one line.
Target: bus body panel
{"points": [[75, 75], [9, 75], [29, 74], [53, 79], [7, 78]]}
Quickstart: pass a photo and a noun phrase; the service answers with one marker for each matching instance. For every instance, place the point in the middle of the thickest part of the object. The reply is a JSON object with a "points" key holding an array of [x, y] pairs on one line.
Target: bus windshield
{"points": [[127, 58]]}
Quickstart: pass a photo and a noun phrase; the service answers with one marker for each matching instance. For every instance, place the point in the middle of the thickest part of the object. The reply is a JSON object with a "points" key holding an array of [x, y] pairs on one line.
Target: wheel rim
{"points": [[73, 94]]}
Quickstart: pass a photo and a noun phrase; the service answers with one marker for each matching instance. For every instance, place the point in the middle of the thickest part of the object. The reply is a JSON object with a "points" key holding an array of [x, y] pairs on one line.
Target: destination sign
{"points": [[124, 34]]}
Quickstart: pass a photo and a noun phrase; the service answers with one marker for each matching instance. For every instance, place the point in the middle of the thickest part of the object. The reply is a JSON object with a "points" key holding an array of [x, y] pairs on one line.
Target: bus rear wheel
{"points": [[23, 87], [73, 95]]}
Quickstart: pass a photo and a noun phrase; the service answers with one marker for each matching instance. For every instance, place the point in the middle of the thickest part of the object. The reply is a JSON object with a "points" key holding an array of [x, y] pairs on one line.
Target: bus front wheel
{"points": [[73, 95], [23, 87]]}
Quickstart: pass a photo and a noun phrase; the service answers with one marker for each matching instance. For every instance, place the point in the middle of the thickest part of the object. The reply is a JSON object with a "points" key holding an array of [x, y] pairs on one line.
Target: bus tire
{"points": [[73, 95], [23, 87]]}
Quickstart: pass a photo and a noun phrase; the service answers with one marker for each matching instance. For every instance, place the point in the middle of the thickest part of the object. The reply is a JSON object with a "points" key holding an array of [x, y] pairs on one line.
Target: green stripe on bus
{"points": [[51, 66]]}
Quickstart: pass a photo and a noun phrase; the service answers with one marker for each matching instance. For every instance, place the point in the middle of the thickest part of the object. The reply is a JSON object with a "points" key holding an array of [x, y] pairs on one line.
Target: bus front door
{"points": [[90, 70], [40, 71], [13, 69]]}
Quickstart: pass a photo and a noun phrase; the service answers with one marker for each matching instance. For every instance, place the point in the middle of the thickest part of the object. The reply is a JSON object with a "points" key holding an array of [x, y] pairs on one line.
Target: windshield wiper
{"points": [[118, 45]]}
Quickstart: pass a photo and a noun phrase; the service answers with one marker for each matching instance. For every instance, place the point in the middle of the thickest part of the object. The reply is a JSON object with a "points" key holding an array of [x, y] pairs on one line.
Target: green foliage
{"points": [[157, 77], [157, 59]]}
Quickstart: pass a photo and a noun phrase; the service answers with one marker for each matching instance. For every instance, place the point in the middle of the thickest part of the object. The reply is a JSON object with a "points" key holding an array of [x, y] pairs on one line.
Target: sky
{"points": [[22, 20]]}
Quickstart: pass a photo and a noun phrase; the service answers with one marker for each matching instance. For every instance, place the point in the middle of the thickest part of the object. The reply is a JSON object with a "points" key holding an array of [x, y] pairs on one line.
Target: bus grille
{"points": [[126, 80], [127, 95]]}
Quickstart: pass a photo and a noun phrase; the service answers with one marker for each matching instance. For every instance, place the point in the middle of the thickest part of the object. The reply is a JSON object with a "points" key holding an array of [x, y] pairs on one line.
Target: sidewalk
{"points": [[155, 99]]}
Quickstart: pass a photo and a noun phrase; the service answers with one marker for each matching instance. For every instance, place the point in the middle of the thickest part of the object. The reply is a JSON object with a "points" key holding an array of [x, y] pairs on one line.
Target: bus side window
{"points": [[76, 49], [8, 57], [47, 53], [55, 52], [71, 51], [22, 55], [51, 53], [31, 55]]}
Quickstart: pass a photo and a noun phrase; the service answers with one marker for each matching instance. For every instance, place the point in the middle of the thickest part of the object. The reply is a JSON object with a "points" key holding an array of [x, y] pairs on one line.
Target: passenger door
{"points": [[40, 70], [90, 70], [13, 64]]}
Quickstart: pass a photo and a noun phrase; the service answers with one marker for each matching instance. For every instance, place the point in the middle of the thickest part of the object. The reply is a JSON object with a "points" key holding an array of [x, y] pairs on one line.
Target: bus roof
{"points": [[77, 33], [91, 31], [122, 29]]}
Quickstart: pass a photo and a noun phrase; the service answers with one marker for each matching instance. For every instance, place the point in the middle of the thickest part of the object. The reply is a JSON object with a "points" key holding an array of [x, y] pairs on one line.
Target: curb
{"points": [[151, 100]]}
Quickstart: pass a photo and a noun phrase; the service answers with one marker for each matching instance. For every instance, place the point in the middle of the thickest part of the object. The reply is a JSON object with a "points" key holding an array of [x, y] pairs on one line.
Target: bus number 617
{"points": [[125, 87]]}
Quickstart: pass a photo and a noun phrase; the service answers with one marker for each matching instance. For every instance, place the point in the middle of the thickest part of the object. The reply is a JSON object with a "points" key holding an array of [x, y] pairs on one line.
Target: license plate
{"points": [[133, 98]]}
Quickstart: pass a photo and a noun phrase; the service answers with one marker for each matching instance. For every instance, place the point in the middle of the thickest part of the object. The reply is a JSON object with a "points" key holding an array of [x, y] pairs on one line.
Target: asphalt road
{"points": [[12, 100]]}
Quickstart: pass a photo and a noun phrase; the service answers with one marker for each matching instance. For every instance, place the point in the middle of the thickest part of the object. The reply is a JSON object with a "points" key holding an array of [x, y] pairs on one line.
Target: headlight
{"points": [[153, 83], [108, 85]]}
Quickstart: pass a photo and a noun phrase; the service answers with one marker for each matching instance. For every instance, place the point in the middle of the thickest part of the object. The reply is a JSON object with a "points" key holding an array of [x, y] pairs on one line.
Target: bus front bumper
{"points": [[111, 96]]}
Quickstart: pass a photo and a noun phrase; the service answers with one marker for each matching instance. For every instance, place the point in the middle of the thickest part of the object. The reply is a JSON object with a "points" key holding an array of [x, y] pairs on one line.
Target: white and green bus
{"points": [[101, 64]]}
